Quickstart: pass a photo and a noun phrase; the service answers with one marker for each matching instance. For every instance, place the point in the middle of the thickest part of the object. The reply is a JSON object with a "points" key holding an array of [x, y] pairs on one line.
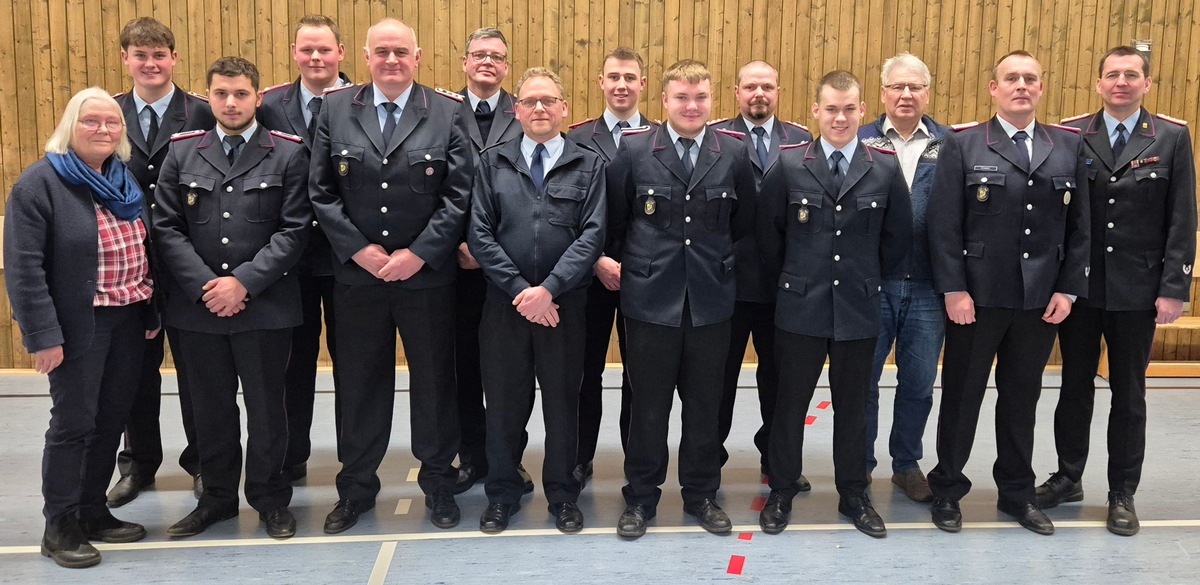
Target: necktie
{"points": [[314, 106], [389, 122], [835, 167], [760, 144], [687, 155], [1022, 151], [618, 130], [1119, 144], [152, 135], [536, 168], [483, 119], [483, 108], [235, 146]]}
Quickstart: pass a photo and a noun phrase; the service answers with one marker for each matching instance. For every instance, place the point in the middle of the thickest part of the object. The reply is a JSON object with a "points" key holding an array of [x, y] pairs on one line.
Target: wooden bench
{"points": [[1163, 369]]}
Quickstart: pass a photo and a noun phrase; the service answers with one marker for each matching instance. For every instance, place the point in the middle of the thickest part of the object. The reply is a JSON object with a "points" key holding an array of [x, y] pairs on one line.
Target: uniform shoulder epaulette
{"points": [[578, 124], [119, 94], [1067, 128], [636, 130], [200, 97], [335, 88], [188, 134], [963, 126], [798, 125], [286, 136], [733, 133], [1172, 120], [275, 87], [713, 122], [791, 146], [881, 149], [1074, 118], [458, 97]]}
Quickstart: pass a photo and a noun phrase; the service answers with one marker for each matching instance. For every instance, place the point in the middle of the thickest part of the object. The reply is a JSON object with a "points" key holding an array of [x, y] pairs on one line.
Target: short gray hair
{"points": [[61, 140], [905, 61]]}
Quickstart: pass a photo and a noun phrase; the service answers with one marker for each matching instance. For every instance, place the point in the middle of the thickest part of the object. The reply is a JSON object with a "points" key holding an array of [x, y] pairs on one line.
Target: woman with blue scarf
{"points": [[78, 277]]}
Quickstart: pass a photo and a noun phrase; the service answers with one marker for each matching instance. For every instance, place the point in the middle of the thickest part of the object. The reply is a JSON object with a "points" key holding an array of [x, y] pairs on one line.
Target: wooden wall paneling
{"points": [[784, 60], [66, 48], [1187, 106], [931, 55], [1171, 58]]}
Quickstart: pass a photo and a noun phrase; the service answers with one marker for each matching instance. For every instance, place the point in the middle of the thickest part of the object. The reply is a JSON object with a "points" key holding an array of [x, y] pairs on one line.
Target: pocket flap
{"points": [[809, 198], [194, 181], [712, 193], [985, 179], [426, 155], [345, 150], [973, 250], [262, 182], [663, 191], [1062, 183], [872, 201], [792, 283]]}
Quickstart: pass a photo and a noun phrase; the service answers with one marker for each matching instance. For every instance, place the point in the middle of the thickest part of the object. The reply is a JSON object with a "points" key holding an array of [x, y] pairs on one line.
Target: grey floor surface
{"points": [[394, 543]]}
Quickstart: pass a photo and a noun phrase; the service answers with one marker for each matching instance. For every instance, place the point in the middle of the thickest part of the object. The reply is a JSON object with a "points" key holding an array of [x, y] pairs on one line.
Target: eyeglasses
{"points": [[93, 124], [480, 57], [531, 103], [911, 87]]}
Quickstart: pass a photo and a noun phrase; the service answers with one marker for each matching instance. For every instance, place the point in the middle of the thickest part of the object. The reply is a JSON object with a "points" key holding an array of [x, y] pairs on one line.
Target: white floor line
{"points": [[403, 506], [382, 563], [412, 473]]}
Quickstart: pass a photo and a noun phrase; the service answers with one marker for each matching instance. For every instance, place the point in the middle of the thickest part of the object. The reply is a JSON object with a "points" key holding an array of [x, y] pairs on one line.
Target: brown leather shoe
{"points": [[914, 484]]}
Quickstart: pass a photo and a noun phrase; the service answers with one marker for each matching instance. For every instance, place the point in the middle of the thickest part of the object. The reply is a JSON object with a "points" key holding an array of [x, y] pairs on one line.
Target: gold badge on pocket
{"points": [[802, 215], [650, 206], [981, 194], [343, 167], [191, 198]]}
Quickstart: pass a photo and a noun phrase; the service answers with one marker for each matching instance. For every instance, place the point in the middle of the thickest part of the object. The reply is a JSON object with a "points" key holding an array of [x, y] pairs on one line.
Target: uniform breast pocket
{"points": [[804, 211], [426, 169], [1065, 187], [563, 203], [264, 197], [654, 205], [1154, 182], [198, 197], [986, 193], [718, 203], [347, 162], [871, 208]]}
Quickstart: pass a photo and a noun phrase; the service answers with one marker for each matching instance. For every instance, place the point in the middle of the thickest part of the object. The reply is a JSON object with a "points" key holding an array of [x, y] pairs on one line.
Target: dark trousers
{"points": [[471, 292], [300, 381], [143, 452], [91, 394], [216, 363], [368, 318], [602, 305], [801, 359], [1020, 342], [1129, 335], [662, 359], [514, 352], [757, 319]]}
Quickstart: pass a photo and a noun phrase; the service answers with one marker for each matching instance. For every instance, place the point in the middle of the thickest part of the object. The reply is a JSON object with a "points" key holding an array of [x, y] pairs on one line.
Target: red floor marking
{"points": [[823, 405], [746, 536], [736, 562], [765, 480], [758, 503], [810, 420]]}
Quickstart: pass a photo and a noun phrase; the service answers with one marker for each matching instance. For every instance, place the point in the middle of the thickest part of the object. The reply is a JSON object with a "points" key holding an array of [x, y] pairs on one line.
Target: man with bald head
{"points": [[757, 91], [390, 184]]}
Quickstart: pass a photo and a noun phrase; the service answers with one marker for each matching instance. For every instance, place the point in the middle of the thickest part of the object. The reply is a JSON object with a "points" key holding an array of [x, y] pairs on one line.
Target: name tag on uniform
{"points": [[986, 168]]}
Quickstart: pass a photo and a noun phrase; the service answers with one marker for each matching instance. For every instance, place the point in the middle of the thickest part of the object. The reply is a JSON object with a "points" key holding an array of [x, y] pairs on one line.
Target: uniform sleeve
{"points": [[26, 236], [945, 219], [173, 239], [575, 265], [619, 196], [481, 236], [769, 222], [286, 245], [437, 242], [1180, 252], [1073, 273]]}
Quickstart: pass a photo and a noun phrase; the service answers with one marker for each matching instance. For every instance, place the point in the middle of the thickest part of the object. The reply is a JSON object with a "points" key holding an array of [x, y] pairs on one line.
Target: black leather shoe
{"points": [[632, 523], [65, 544], [1059, 489], [495, 518], [712, 518], [1028, 515], [858, 508], [199, 521], [344, 516], [774, 516], [295, 473], [468, 474], [280, 522], [112, 530], [444, 512], [127, 489], [568, 517], [582, 473], [197, 486], [802, 484], [1122, 518], [946, 514], [525, 477]]}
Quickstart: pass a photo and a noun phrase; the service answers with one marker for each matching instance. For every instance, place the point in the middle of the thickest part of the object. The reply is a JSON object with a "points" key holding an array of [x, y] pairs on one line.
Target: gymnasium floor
{"points": [[394, 543]]}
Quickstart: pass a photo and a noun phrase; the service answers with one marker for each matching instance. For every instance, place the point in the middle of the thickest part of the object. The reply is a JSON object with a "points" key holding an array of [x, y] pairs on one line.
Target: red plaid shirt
{"points": [[124, 275]]}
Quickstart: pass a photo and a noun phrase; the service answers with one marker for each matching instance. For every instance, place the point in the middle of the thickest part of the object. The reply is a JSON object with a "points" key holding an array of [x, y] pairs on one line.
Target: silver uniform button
{"points": [[1025, 255], [225, 215], [687, 242], [385, 232], [1030, 183], [787, 285], [964, 252], [838, 208], [314, 223], [153, 206], [192, 184], [804, 201], [724, 195], [427, 157], [1153, 175], [837, 258], [1109, 249], [224, 240], [262, 185], [1029, 207], [983, 180], [385, 161], [649, 191], [688, 219], [383, 185], [1111, 201], [1111, 225], [835, 283], [1027, 232], [149, 167], [837, 233], [687, 197], [152, 186], [224, 267], [383, 210], [345, 152], [874, 205], [1068, 184], [1112, 179], [229, 189]]}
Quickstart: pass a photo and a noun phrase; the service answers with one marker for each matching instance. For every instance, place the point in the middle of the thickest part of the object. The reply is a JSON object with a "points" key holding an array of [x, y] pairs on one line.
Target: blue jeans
{"points": [[914, 318]]}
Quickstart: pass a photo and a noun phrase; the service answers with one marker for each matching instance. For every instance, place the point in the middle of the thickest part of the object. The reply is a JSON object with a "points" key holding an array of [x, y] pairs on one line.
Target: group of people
{"points": [[503, 250]]}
